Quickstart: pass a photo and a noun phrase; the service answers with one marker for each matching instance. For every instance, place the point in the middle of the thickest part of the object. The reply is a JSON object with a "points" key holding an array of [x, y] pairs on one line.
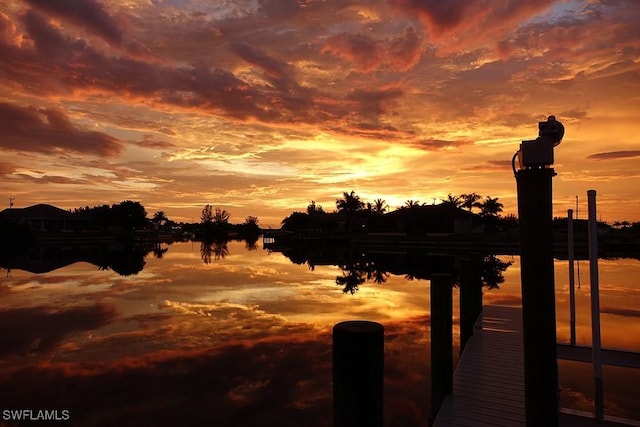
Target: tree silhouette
{"points": [[314, 209], [295, 221], [491, 207], [470, 200], [129, 214], [411, 204], [453, 200], [380, 206], [206, 217], [159, 218], [220, 217], [350, 203]]}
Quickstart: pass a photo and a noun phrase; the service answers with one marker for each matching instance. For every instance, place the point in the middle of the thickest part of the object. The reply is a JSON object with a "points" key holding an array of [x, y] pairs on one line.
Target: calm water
{"points": [[232, 336]]}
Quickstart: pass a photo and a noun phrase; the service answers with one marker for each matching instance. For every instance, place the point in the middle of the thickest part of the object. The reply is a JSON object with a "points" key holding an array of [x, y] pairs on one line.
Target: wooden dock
{"points": [[488, 383]]}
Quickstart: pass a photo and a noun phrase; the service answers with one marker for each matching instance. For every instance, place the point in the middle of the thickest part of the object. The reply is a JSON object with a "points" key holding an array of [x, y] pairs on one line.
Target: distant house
{"points": [[434, 219], [43, 217]]}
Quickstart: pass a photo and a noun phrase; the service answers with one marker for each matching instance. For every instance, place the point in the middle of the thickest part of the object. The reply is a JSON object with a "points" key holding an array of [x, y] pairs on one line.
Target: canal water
{"points": [[233, 334]]}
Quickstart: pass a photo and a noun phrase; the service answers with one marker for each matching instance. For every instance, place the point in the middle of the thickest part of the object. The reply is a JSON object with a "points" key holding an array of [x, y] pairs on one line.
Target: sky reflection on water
{"points": [[245, 339]]}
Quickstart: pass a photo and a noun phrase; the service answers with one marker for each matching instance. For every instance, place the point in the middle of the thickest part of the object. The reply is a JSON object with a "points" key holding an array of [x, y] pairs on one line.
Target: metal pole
{"points": [[572, 289], [595, 306]]}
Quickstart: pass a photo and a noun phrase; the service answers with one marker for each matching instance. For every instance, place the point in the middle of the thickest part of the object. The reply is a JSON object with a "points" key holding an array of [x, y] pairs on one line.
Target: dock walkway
{"points": [[488, 383]]}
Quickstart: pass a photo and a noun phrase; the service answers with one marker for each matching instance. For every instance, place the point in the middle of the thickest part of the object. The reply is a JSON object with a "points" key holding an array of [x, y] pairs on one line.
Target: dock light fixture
{"points": [[538, 153]]}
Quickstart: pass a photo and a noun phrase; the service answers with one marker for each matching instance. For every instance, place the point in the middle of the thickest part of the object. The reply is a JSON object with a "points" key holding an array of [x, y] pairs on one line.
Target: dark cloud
{"points": [[619, 311], [88, 14], [368, 54], [611, 155], [47, 130], [473, 19], [439, 144], [374, 101], [51, 179], [40, 329]]}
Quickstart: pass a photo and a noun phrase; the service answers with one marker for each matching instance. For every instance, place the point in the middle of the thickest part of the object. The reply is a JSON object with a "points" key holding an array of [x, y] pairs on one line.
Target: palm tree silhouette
{"points": [[471, 200], [453, 200], [349, 203], [380, 206], [491, 207], [411, 204]]}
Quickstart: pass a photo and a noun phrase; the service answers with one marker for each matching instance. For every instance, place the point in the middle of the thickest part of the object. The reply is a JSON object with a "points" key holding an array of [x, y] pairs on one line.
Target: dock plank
{"points": [[488, 384]]}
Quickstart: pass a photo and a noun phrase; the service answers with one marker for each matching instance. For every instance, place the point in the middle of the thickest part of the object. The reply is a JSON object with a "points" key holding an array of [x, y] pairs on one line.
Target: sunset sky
{"points": [[260, 106]]}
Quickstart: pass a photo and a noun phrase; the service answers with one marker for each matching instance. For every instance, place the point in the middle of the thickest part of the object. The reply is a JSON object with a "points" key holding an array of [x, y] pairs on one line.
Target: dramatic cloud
{"points": [[261, 105], [612, 155], [368, 54], [439, 144], [49, 130], [88, 14], [41, 328]]}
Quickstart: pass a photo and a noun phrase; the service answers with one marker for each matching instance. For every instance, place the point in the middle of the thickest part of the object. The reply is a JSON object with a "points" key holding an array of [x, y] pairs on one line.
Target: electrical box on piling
{"points": [[538, 153]]}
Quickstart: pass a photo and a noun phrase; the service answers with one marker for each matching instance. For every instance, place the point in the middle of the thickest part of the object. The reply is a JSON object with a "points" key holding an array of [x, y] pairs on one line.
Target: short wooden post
{"points": [[358, 370], [441, 340]]}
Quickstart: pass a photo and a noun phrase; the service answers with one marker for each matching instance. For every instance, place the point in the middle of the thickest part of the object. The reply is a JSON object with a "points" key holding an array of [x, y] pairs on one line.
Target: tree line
{"points": [[352, 205], [351, 202]]}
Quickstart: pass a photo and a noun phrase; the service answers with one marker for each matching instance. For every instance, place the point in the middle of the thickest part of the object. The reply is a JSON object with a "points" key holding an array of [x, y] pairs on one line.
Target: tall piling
{"points": [[535, 214]]}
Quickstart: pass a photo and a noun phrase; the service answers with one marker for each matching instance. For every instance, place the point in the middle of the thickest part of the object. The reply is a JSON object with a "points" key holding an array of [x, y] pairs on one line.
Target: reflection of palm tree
{"points": [[216, 248], [355, 274], [159, 251], [379, 276], [492, 269], [350, 279], [205, 252], [220, 249], [251, 243]]}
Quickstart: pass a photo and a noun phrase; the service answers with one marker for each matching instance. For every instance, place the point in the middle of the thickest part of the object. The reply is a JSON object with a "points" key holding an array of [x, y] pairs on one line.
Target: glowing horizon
{"points": [[260, 107]]}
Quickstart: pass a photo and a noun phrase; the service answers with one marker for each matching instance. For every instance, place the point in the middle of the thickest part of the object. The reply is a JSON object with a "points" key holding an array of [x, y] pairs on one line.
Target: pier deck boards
{"points": [[488, 383]]}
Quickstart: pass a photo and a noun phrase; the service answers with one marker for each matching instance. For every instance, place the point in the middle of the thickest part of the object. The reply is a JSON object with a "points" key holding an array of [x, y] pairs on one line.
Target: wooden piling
{"points": [[358, 370], [535, 214]]}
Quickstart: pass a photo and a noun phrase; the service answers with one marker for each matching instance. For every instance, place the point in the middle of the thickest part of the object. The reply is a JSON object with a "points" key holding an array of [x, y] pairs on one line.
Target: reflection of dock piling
{"points": [[441, 339], [470, 296], [358, 364]]}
